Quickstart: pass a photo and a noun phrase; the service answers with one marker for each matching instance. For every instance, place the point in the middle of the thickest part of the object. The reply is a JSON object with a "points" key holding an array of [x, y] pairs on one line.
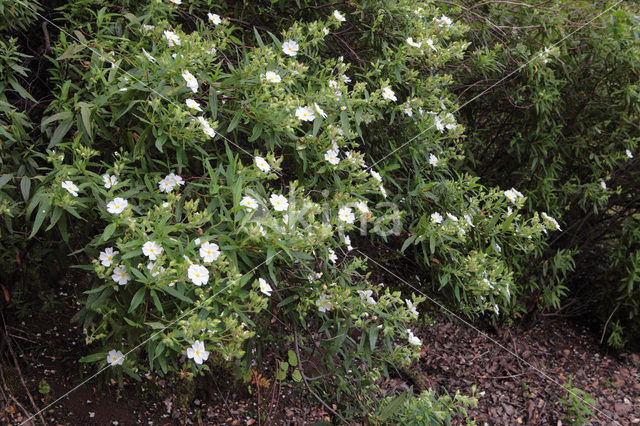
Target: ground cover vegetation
{"points": [[225, 171]]}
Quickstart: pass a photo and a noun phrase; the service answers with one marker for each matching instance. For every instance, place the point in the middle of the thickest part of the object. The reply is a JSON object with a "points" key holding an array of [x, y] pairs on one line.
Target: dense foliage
{"points": [[224, 170]]}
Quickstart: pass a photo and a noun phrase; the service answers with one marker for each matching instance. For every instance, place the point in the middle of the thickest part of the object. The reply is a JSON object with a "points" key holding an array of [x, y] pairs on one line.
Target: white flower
{"points": [[362, 206], [408, 111], [323, 304], [333, 84], [154, 269], [387, 93], [197, 241], [215, 19], [305, 113], [290, 47], [109, 181], [172, 38], [285, 219], [176, 1], [272, 77], [197, 352], [436, 218], [209, 252], [325, 31], [603, 184], [320, 110], [383, 191], [332, 256], [262, 164], [198, 274], [552, 220], [629, 154], [430, 44], [366, 295], [249, 203], [452, 217], [332, 157], [192, 82], [468, 219], [265, 287], [120, 275], [115, 357], [376, 175], [433, 160], [193, 104], [413, 43], [71, 187], [279, 202], [148, 55], [347, 242], [443, 21], [438, 123], [345, 77], [339, 16], [413, 339], [346, 215], [148, 27], [117, 205], [512, 195], [151, 249], [411, 308], [106, 256]]}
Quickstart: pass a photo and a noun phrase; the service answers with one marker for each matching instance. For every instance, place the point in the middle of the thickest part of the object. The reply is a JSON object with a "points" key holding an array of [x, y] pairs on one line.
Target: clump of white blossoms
{"points": [[629, 154], [148, 56], [290, 47], [115, 357], [209, 252], [433, 160], [206, 127], [320, 110], [366, 295], [346, 215], [339, 16], [332, 256], [436, 218], [279, 202], [411, 307], [120, 275], [198, 274], [552, 220], [513, 195], [249, 203], [71, 187], [272, 77], [193, 104], [262, 164], [117, 206], [410, 42], [169, 182], [214, 18], [152, 250], [376, 175], [192, 82], [332, 157], [109, 181], [197, 352], [106, 256], [265, 287], [172, 38], [305, 113], [413, 339], [388, 94], [323, 304], [603, 184]]}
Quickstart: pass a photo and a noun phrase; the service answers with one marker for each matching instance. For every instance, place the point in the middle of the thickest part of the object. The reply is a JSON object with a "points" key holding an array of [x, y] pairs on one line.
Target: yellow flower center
{"points": [[109, 258], [117, 206], [197, 275], [197, 352]]}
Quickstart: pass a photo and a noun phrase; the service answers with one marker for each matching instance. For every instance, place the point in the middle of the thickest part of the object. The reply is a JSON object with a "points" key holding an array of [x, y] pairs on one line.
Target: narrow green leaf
{"points": [[25, 187], [137, 298]]}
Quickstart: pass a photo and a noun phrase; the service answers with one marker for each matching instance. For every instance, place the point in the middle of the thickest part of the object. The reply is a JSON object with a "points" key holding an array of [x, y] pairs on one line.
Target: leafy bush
{"points": [[562, 128]]}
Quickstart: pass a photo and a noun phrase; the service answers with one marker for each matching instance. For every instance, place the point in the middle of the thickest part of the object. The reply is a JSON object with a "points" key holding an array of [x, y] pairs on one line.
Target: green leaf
{"points": [[25, 187], [137, 298], [43, 209], [296, 376], [108, 231], [392, 407], [293, 359], [5, 178], [172, 291], [94, 357], [85, 113], [373, 337], [60, 132]]}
